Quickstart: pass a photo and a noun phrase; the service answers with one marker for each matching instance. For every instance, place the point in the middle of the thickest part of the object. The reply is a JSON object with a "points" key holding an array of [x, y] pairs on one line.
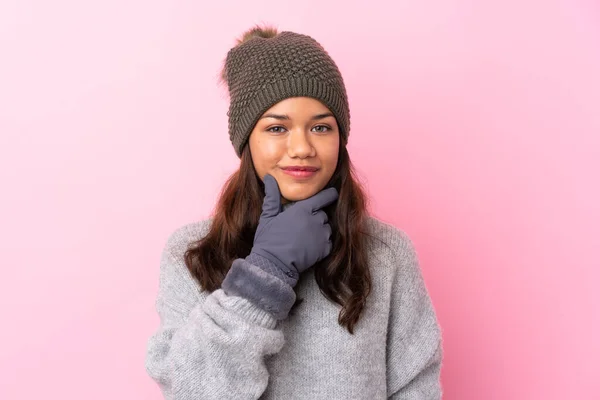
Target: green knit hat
{"points": [[267, 68]]}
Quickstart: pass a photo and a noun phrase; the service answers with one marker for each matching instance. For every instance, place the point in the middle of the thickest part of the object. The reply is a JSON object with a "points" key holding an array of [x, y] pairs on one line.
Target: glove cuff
{"points": [[261, 288]]}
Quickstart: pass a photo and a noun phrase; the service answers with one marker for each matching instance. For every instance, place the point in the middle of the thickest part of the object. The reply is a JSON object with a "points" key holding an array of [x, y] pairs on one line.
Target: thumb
{"points": [[272, 202], [320, 200]]}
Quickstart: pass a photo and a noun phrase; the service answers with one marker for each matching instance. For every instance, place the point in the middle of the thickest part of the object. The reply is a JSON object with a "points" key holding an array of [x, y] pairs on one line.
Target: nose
{"points": [[299, 144]]}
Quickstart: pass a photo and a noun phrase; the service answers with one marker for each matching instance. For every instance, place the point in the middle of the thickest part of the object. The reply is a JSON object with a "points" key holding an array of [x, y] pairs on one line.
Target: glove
{"points": [[286, 243]]}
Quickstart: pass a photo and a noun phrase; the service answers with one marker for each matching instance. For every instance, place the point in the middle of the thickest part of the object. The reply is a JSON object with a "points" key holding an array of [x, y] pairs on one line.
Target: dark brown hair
{"points": [[343, 276]]}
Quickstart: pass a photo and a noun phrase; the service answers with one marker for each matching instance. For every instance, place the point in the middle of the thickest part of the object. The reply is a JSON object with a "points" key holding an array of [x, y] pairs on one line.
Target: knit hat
{"points": [[261, 71]]}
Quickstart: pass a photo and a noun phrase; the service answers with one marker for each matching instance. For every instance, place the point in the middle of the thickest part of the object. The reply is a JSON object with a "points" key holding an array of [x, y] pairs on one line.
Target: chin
{"points": [[300, 190], [297, 195]]}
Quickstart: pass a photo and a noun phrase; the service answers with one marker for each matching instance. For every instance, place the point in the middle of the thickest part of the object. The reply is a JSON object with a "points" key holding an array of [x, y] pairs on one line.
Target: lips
{"points": [[300, 168], [299, 172]]}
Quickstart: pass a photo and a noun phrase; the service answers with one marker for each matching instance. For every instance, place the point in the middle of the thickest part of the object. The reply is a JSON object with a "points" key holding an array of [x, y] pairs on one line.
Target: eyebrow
{"points": [[285, 116]]}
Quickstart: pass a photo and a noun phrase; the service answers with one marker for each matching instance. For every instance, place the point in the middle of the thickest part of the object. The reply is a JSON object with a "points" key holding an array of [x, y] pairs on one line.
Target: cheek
{"points": [[332, 158], [265, 155], [329, 156]]}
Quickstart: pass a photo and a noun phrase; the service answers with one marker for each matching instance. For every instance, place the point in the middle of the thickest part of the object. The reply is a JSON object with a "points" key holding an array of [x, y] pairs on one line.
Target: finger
{"points": [[272, 201], [320, 200], [328, 231], [321, 216]]}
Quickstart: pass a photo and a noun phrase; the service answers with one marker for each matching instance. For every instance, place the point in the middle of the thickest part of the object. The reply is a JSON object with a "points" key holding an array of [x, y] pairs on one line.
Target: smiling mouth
{"points": [[300, 168], [300, 174]]}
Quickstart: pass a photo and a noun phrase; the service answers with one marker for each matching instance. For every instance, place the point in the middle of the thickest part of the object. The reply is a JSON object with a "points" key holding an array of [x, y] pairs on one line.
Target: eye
{"points": [[324, 128], [276, 127]]}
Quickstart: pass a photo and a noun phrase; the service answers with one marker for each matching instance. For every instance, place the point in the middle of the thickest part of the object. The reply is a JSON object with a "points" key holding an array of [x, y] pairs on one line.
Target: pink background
{"points": [[476, 128]]}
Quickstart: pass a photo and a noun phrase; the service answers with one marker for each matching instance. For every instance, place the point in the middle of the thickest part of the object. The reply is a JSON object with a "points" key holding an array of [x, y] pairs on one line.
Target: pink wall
{"points": [[476, 128]]}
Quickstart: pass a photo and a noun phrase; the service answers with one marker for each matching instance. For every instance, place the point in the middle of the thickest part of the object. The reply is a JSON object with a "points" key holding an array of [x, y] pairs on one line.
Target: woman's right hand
{"points": [[295, 239]]}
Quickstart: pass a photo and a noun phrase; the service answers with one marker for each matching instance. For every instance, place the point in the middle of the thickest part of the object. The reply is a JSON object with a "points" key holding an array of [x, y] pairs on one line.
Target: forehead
{"points": [[298, 106]]}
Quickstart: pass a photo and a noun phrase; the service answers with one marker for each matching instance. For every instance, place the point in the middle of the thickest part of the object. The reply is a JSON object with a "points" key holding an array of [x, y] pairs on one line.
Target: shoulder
{"points": [[393, 257], [174, 275], [397, 263], [181, 237], [389, 243]]}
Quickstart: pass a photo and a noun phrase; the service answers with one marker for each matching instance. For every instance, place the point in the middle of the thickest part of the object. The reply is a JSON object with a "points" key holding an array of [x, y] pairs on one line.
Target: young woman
{"points": [[291, 290]]}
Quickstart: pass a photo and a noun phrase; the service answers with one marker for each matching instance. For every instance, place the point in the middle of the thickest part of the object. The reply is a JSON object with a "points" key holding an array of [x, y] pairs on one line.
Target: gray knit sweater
{"points": [[215, 346]]}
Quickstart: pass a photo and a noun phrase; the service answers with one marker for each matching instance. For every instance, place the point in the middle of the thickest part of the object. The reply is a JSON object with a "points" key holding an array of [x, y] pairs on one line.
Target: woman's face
{"points": [[297, 131]]}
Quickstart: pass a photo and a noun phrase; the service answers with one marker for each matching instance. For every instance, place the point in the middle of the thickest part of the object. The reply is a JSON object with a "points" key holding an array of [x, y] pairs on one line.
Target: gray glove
{"points": [[291, 241], [285, 244]]}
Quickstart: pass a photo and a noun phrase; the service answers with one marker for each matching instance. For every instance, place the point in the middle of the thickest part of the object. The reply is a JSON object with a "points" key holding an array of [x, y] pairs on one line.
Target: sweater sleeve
{"points": [[207, 349], [414, 348]]}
